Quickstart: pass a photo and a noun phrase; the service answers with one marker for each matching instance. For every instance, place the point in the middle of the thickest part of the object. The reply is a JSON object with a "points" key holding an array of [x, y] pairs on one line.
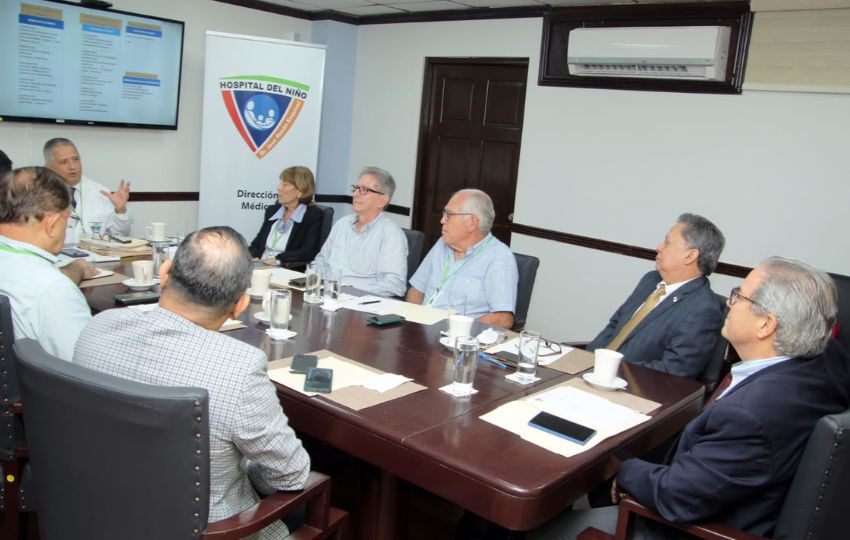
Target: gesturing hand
{"points": [[119, 197]]}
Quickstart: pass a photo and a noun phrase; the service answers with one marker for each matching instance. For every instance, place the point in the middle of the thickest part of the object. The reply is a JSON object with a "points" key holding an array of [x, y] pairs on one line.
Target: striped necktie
{"points": [[650, 302]]}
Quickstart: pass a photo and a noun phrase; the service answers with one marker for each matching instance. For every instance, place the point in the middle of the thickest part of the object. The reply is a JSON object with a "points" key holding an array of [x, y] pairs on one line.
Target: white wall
{"points": [[771, 169], [156, 160]]}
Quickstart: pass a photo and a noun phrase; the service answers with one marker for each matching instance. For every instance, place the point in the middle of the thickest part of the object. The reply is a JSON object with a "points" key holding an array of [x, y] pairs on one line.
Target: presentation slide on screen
{"points": [[65, 62]]}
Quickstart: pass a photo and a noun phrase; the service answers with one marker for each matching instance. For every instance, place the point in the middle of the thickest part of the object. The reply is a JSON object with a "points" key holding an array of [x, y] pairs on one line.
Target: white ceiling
{"points": [[362, 8]]}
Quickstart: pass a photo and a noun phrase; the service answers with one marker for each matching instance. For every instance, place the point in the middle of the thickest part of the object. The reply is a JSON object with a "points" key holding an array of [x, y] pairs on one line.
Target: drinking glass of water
{"points": [[313, 278], [529, 343], [465, 360], [279, 305], [333, 287]]}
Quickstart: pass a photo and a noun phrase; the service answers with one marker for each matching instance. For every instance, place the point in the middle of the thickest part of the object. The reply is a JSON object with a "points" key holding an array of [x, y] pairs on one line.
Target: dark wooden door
{"points": [[470, 135]]}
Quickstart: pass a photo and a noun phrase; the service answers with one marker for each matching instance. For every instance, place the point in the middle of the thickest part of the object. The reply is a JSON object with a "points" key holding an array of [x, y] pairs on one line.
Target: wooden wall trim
{"points": [[418, 17], [726, 269], [171, 196], [160, 196], [346, 199]]}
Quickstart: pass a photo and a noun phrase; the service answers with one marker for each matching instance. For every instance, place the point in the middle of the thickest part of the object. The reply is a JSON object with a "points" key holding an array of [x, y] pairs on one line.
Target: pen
{"points": [[486, 357], [369, 302]]}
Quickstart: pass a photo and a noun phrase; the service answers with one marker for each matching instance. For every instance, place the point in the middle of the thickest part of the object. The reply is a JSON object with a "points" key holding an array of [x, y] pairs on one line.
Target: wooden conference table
{"points": [[438, 442]]}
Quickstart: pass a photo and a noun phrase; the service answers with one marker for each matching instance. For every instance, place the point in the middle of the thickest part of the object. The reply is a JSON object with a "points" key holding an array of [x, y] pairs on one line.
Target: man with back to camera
{"points": [[735, 461], [468, 259], [368, 249], [91, 201], [178, 344], [672, 319], [34, 215]]}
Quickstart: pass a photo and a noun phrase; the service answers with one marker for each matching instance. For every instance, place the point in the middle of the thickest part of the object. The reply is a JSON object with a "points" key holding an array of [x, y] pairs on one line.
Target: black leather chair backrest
{"points": [[415, 244], [527, 268], [113, 457], [843, 284], [815, 507], [11, 428], [713, 371], [327, 222]]}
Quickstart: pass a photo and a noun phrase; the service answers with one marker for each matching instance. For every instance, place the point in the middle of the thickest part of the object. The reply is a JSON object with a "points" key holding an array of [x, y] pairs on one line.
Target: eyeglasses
{"points": [[549, 348], [73, 220], [735, 295], [363, 190], [447, 215]]}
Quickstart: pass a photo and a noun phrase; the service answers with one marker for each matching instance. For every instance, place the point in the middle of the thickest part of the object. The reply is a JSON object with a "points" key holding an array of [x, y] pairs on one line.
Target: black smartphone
{"points": [[319, 380], [72, 252], [384, 320], [301, 363], [144, 297], [509, 357], [300, 282], [562, 427]]}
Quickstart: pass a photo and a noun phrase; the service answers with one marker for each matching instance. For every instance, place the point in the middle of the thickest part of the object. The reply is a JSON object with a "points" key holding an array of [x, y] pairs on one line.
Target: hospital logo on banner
{"points": [[262, 108]]}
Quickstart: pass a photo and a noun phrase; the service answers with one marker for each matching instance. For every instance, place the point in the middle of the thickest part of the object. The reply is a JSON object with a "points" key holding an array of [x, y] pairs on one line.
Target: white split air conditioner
{"points": [[657, 52]]}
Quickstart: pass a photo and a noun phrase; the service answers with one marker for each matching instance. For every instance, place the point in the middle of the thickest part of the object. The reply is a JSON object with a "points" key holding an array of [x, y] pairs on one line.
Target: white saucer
{"points": [[619, 384], [263, 317], [131, 283], [444, 341], [253, 294]]}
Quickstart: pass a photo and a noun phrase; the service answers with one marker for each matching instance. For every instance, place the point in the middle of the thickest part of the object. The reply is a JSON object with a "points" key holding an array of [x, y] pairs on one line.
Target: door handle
{"points": [[511, 217]]}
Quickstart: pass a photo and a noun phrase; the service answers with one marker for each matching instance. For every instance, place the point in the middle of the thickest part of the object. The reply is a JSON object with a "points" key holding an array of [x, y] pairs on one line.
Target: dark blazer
{"points": [[677, 336], [304, 239], [735, 461]]}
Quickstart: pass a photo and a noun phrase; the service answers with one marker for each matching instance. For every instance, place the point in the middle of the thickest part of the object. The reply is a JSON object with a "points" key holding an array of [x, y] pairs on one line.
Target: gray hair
{"points": [[212, 268], [804, 301], [30, 193], [701, 234], [480, 205], [384, 178], [50, 145]]}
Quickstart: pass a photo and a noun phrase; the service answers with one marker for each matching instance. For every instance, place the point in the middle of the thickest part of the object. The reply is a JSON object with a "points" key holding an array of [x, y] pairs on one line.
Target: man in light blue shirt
{"points": [[34, 215], [468, 259], [367, 249]]}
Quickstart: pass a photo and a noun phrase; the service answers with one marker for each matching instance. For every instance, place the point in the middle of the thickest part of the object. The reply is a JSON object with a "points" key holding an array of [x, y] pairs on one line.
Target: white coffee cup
{"points": [[156, 231], [143, 272], [606, 365], [459, 326], [260, 281]]}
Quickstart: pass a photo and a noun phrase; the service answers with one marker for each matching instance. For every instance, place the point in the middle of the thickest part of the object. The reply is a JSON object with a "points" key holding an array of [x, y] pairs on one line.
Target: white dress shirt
{"points": [[94, 206], [46, 305]]}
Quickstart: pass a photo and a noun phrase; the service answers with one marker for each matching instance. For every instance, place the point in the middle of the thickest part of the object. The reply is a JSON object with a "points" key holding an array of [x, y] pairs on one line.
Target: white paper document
{"points": [[345, 374], [384, 381], [282, 276], [607, 418]]}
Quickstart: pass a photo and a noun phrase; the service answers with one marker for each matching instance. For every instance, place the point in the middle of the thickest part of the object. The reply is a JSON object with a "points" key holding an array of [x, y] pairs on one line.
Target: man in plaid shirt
{"points": [[178, 344]]}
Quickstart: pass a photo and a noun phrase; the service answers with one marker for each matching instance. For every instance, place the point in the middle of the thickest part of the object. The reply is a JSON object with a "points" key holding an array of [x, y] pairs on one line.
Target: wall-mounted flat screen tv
{"points": [[67, 63]]}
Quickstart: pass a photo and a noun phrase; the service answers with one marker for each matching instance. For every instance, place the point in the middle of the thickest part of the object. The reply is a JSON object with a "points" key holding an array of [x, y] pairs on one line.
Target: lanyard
{"points": [[10, 249], [446, 276]]}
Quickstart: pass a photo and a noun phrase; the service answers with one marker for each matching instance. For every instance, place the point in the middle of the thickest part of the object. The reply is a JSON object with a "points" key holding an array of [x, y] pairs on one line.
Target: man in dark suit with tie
{"points": [[735, 461], [672, 319]]}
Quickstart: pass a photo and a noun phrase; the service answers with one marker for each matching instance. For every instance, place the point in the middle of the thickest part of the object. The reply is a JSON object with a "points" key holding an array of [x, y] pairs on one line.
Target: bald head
{"points": [[212, 268]]}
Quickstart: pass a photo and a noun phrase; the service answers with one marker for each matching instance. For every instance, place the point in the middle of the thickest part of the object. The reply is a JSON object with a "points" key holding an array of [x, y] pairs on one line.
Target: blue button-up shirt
{"points": [[487, 274], [742, 370], [373, 259]]}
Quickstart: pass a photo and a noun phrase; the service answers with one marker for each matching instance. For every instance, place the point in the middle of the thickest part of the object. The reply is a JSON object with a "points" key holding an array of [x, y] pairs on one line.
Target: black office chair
{"points": [[114, 458], [814, 507], [415, 244], [16, 495], [843, 323], [327, 222], [527, 268], [715, 368]]}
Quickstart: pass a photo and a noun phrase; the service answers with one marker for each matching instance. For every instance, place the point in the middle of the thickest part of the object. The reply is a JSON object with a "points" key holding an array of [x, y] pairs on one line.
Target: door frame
{"points": [[425, 115]]}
